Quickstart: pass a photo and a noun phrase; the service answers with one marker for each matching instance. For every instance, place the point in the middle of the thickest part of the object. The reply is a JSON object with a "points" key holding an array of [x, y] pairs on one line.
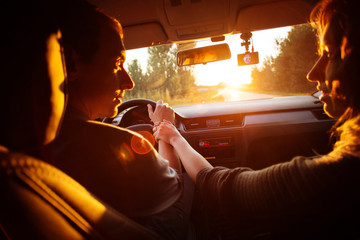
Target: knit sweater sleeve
{"points": [[297, 188], [252, 191]]}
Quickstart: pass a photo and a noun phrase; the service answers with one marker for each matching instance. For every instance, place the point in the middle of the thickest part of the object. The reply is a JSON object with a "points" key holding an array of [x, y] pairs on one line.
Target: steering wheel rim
{"points": [[139, 102], [132, 105]]}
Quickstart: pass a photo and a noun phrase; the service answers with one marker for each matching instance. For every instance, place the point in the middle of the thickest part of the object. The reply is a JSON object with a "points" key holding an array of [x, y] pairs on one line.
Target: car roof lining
{"points": [[170, 21]]}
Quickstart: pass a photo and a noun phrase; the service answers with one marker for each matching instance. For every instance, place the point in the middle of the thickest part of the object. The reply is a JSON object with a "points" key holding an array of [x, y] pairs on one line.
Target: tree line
{"points": [[287, 71], [163, 79]]}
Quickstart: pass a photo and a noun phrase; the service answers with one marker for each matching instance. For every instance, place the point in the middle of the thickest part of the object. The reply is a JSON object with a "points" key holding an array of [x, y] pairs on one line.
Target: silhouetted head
{"points": [[32, 93]]}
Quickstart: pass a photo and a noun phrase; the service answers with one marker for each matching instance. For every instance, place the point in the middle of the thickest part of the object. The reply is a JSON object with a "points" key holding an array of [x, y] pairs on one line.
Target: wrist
{"points": [[175, 140], [156, 123]]}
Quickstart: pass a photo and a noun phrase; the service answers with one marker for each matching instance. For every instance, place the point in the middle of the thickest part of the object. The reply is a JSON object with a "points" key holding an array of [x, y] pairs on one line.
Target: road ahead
{"points": [[236, 95]]}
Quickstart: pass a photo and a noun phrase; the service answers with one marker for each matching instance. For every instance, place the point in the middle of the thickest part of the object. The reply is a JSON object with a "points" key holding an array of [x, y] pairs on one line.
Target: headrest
{"points": [[33, 79]]}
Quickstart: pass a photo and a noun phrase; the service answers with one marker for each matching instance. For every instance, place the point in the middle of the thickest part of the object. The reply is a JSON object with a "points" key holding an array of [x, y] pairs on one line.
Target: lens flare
{"points": [[124, 153], [140, 145]]}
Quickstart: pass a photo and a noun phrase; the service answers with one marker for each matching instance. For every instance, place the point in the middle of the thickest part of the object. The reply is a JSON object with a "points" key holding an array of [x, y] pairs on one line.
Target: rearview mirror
{"points": [[203, 55]]}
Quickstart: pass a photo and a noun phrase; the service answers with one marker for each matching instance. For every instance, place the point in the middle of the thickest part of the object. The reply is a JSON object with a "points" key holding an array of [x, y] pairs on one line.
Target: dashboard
{"points": [[250, 133], [256, 133]]}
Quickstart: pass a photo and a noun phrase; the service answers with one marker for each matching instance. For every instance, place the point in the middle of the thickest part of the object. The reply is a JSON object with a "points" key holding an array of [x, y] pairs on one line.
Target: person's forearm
{"points": [[167, 151], [192, 161]]}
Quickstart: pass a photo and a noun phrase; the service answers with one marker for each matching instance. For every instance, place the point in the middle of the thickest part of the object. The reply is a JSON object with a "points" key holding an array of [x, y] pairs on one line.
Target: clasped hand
{"points": [[163, 119], [165, 131]]}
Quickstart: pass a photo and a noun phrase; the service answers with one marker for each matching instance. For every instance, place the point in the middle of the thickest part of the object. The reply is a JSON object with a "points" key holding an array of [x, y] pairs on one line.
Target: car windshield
{"points": [[285, 56]]}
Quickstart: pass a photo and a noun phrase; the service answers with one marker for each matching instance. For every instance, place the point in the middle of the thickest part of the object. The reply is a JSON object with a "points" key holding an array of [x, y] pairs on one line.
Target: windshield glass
{"points": [[285, 56]]}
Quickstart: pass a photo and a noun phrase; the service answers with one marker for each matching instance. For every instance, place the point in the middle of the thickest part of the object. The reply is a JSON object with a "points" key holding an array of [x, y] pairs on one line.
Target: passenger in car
{"points": [[306, 198], [117, 165]]}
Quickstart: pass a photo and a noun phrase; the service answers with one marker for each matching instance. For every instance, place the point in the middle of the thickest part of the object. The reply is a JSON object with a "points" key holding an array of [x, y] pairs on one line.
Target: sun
{"points": [[238, 76], [226, 71]]}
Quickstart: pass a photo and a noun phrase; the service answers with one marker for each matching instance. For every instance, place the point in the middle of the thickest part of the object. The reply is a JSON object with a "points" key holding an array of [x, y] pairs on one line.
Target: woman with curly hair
{"points": [[305, 198]]}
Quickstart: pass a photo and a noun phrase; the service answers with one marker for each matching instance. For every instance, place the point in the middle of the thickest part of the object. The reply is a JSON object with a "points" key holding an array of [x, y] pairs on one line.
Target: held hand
{"points": [[162, 112], [165, 131]]}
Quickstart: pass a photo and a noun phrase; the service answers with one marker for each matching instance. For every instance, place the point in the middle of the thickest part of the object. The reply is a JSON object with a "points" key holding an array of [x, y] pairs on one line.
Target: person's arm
{"points": [[192, 161], [167, 152], [164, 112]]}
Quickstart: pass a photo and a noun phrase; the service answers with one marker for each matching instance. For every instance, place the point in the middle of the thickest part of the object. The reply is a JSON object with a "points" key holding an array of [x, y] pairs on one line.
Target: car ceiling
{"points": [[152, 22]]}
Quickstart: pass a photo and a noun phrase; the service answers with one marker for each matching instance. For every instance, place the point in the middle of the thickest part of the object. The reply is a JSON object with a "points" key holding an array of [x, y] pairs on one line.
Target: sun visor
{"points": [[274, 14], [198, 19], [144, 35], [201, 31], [186, 12]]}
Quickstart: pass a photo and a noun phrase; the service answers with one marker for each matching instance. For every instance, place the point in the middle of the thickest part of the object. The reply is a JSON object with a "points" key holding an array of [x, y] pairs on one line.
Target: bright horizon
{"points": [[226, 71]]}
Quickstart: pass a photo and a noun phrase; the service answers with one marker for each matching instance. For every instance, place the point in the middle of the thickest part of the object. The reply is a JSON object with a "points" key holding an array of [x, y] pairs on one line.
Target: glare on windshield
{"points": [[285, 56]]}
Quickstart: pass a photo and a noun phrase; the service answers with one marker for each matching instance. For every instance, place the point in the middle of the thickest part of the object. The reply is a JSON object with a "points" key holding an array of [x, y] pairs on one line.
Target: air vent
{"points": [[231, 120], [213, 122], [196, 123], [320, 114]]}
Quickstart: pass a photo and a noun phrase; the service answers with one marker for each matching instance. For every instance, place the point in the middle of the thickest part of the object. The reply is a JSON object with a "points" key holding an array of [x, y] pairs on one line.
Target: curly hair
{"points": [[346, 14]]}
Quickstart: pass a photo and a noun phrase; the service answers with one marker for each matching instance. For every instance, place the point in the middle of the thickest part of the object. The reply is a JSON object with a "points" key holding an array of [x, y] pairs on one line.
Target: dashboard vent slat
{"points": [[213, 122], [195, 124]]}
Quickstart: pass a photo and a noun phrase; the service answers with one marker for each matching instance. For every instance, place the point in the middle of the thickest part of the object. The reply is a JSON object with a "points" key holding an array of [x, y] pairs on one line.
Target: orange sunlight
{"points": [[223, 72], [227, 71]]}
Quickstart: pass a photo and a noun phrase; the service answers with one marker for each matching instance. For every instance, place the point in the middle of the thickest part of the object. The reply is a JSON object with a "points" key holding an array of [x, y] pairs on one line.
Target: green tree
{"points": [[263, 78], [160, 67], [287, 71], [163, 79], [137, 75]]}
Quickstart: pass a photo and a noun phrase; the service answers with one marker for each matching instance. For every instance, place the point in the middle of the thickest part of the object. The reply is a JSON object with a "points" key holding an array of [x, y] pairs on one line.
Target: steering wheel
{"points": [[133, 115], [136, 113]]}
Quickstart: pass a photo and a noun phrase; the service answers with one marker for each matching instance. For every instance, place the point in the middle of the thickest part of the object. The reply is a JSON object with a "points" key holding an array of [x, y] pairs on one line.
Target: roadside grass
{"points": [[200, 95], [196, 96]]}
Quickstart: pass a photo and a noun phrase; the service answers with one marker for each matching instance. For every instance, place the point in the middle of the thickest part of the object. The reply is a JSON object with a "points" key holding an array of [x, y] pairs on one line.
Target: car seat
{"points": [[40, 202]]}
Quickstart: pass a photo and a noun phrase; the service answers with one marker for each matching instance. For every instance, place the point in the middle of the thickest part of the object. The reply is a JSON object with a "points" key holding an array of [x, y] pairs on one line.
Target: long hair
{"points": [[347, 15]]}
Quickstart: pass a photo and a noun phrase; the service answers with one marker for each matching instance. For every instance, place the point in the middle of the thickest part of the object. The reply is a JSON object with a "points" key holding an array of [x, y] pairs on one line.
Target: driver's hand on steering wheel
{"points": [[162, 112]]}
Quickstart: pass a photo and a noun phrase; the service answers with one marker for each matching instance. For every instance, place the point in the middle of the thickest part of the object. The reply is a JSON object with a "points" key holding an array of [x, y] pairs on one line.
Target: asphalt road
{"points": [[236, 95]]}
